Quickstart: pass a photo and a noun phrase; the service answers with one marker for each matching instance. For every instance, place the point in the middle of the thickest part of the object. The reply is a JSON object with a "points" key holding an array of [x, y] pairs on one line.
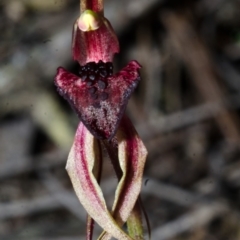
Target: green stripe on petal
{"points": [[134, 223], [132, 155], [84, 152]]}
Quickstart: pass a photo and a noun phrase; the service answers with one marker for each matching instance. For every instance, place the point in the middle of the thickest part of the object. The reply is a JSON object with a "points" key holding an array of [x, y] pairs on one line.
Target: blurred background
{"points": [[186, 109]]}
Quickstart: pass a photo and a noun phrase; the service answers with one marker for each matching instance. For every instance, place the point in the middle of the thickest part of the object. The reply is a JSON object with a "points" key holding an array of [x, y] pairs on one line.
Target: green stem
{"points": [[134, 223], [94, 5]]}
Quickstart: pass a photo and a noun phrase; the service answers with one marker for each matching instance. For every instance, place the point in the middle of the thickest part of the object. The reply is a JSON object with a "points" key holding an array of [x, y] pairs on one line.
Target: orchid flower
{"points": [[99, 97]]}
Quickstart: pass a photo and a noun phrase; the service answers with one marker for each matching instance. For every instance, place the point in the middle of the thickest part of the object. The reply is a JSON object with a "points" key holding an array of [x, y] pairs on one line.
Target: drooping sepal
{"points": [[82, 157], [99, 103], [132, 156]]}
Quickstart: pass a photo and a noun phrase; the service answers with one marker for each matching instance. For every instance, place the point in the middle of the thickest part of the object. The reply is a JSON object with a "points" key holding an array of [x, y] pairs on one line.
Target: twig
{"points": [[197, 59], [178, 120], [45, 161], [197, 218], [170, 193], [29, 207], [71, 203]]}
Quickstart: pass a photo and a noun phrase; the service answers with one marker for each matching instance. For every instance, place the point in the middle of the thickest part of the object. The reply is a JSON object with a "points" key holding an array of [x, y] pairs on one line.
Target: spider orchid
{"points": [[99, 96]]}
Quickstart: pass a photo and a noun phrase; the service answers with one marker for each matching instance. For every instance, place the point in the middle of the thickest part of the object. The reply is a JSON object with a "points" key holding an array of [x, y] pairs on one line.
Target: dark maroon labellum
{"points": [[98, 96]]}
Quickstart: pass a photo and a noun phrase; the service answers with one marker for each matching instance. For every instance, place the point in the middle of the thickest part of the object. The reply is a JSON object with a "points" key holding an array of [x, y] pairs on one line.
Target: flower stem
{"points": [[112, 150], [134, 223], [90, 227], [94, 5]]}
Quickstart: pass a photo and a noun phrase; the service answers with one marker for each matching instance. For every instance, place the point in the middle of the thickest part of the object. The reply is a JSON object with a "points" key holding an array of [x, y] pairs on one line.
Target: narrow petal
{"points": [[102, 110], [93, 46], [97, 171], [132, 156], [80, 164]]}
